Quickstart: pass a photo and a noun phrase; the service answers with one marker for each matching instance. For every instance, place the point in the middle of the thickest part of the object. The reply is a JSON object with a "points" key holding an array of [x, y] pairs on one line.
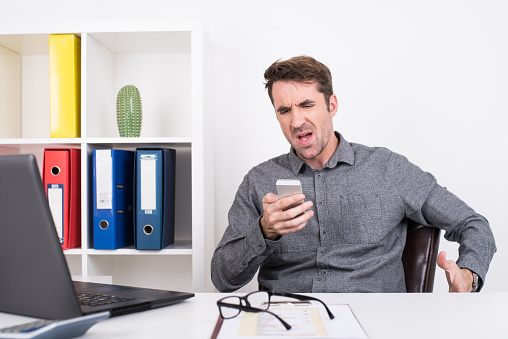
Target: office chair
{"points": [[420, 256]]}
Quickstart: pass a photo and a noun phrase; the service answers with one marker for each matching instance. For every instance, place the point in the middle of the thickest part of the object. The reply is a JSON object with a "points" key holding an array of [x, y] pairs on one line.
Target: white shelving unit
{"points": [[168, 61]]}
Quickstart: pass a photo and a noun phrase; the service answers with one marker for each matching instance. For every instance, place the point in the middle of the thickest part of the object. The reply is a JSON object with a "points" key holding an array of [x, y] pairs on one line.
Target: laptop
{"points": [[34, 278]]}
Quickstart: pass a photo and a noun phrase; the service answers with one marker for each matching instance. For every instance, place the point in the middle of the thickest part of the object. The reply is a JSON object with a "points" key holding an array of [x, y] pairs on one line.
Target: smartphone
{"points": [[289, 187]]}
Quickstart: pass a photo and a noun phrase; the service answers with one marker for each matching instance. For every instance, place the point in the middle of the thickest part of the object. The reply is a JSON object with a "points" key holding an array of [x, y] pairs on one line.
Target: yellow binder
{"points": [[65, 85]]}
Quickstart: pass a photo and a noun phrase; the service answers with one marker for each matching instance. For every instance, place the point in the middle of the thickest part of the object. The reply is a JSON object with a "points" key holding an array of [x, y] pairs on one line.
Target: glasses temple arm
{"points": [[303, 298], [286, 325]]}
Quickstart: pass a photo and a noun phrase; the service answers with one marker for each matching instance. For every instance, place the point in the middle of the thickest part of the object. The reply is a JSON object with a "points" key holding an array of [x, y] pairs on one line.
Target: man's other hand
{"points": [[459, 280], [276, 220]]}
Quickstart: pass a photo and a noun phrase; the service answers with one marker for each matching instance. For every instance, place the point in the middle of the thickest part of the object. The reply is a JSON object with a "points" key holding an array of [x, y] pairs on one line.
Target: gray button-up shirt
{"points": [[354, 241]]}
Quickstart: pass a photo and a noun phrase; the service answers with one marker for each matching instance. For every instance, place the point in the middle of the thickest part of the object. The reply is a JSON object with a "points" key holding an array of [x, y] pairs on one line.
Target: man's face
{"points": [[306, 120]]}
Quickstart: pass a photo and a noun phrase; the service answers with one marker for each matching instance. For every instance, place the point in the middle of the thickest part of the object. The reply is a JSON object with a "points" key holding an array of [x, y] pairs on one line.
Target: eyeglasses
{"points": [[259, 301]]}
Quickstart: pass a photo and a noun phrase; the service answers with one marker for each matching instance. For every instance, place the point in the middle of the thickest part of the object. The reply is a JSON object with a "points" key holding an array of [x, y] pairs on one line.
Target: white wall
{"points": [[428, 79]]}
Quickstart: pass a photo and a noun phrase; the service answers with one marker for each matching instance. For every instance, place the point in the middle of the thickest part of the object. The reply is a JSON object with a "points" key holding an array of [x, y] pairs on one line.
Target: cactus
{"points": [[129, 112]]}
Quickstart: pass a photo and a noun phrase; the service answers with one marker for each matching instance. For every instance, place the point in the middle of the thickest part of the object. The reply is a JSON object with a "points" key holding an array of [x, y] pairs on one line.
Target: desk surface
{"points": [[435, 315]]}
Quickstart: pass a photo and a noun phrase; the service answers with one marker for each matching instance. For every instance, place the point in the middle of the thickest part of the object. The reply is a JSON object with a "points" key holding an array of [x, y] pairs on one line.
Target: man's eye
{"points": [[283, 111]]}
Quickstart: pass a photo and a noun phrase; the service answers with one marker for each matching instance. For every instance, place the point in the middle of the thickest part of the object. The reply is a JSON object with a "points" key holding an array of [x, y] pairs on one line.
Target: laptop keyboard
{"points": [[28, 327], [88, 299]]}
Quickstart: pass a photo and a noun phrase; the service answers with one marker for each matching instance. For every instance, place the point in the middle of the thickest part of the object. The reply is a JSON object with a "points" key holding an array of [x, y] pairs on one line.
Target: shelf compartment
{"points": [[24, 98], [162, 272], [157, 63], [183, 184]]}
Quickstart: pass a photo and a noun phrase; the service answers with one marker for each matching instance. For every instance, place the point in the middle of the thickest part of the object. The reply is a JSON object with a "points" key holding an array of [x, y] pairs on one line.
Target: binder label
{"points": [[55, 200], [148, 183], [104, 179]]}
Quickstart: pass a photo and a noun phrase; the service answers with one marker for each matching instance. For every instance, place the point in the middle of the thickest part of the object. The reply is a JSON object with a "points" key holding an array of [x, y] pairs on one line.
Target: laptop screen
{"points": [[35, 279]]}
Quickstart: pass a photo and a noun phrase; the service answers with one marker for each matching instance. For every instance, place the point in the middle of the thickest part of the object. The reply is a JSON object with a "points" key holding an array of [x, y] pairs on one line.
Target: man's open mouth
{"points": [[303, 138]]}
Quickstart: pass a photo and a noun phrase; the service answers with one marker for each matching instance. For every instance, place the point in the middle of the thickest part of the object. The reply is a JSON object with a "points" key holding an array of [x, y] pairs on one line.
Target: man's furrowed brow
{"points": [[306, 102], [283, 108]]}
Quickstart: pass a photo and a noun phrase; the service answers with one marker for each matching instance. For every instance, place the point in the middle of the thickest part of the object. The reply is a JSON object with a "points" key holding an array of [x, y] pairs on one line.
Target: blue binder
{"points": [[113, 181], [154, 198]]}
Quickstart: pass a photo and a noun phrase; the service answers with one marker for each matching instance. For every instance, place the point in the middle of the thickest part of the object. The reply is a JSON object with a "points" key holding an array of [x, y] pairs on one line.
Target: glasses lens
{"points": [[229, 312], [259, 299]]}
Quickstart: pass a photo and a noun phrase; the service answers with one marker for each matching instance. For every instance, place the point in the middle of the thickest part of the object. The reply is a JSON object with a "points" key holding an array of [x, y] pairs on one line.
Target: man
{"points": [[349, 233]]}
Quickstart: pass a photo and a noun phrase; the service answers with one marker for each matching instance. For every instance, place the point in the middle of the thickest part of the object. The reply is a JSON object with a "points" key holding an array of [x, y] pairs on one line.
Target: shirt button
{"points": [[324, 232], [318, 279], [324, 272], [320, 202]]}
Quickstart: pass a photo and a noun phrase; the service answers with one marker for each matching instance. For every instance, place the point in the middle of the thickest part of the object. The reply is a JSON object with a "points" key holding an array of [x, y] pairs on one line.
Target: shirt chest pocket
{"points": [[361, 219]]}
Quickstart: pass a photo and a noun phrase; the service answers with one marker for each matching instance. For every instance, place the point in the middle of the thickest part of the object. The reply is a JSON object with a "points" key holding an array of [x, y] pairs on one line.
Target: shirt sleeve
{"points": [[428, 203], [242, 248]]}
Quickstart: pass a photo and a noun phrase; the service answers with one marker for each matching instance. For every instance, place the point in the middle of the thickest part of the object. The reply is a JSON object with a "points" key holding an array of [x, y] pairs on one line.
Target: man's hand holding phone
{"points": [[286, 212]]}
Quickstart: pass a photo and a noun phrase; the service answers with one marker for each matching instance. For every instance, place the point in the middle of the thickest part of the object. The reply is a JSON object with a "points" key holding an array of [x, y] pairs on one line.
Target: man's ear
{"points": [[333, 105]]}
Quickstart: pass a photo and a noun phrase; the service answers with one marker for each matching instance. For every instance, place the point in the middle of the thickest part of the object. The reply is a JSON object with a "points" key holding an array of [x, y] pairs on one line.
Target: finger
{"points": [[270, 198], [302, 218], [288, 201], [443, 263], [296, 211], [294, 224], [441, 259], [449, 266]]}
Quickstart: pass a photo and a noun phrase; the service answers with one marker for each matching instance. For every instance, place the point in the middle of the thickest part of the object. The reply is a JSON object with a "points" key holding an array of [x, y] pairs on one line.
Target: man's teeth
{"points": [[305, 137]]}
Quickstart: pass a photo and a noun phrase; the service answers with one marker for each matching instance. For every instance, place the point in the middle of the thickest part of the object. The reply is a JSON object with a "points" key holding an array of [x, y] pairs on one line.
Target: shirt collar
{"points": [[344, 153]]}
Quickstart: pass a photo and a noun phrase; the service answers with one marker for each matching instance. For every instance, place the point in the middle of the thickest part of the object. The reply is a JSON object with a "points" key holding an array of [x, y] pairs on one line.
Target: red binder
{"points": [[61, 176]]}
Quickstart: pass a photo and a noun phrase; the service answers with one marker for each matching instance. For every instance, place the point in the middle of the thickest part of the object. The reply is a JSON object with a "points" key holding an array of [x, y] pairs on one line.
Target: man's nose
{"points": [[298, 118]]}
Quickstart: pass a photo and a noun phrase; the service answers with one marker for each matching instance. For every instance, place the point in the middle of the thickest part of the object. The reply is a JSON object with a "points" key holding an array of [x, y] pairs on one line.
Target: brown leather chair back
{"points": [[420, 256]]}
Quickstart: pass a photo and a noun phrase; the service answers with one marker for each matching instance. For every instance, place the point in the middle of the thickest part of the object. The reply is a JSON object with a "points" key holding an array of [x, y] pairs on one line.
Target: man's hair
{"points": [[303, 69]]}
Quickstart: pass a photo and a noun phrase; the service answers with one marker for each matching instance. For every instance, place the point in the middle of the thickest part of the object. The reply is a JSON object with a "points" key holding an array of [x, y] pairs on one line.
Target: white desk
{"points": [[440, 315]]}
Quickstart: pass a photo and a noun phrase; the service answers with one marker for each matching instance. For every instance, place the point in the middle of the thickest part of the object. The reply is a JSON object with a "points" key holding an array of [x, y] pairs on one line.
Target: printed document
{"points": [[307, 321]]}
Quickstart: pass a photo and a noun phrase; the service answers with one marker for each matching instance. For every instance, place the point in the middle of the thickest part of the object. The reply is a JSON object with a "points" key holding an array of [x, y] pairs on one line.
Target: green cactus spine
{"points": [[129, 112]]}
